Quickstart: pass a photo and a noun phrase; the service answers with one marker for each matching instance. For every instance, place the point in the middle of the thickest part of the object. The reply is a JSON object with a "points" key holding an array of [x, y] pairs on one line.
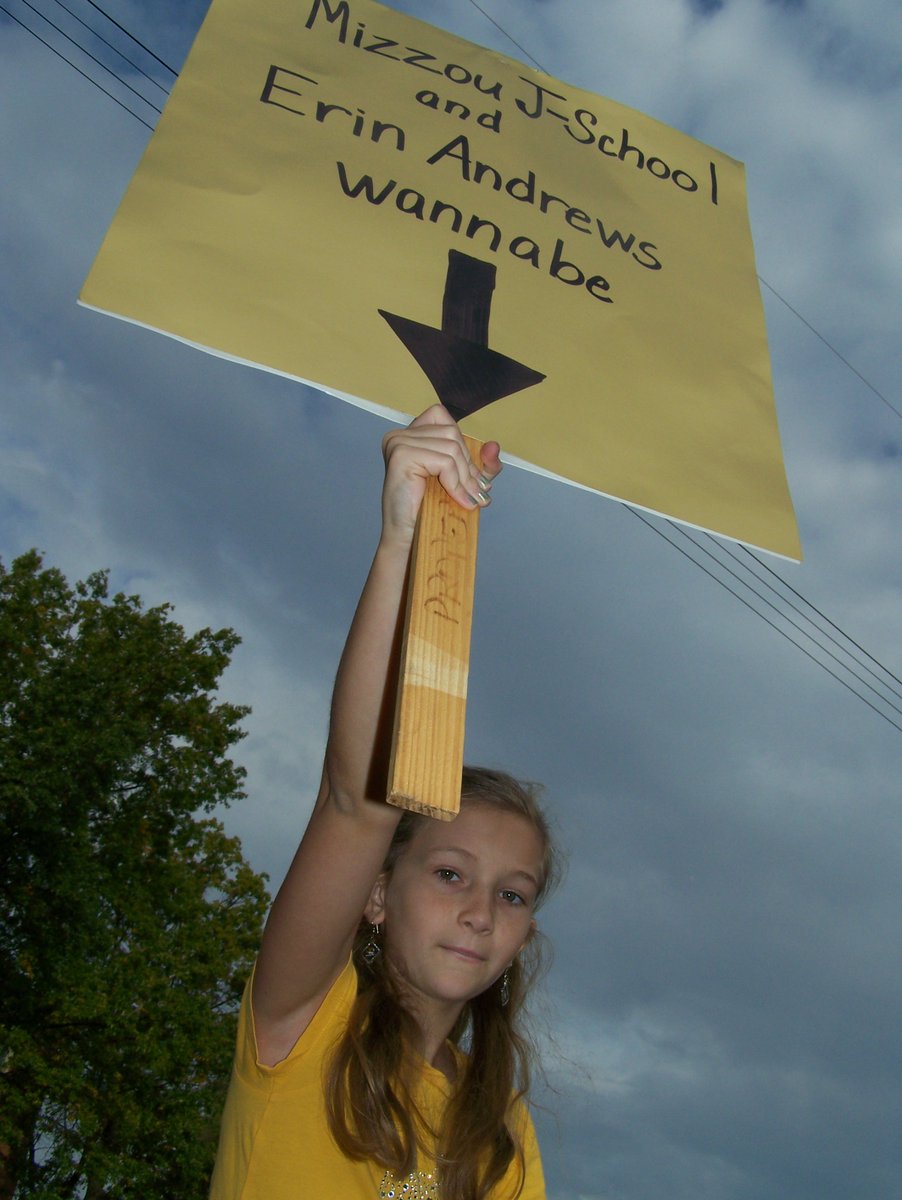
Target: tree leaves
{"points": [[128, 921]]}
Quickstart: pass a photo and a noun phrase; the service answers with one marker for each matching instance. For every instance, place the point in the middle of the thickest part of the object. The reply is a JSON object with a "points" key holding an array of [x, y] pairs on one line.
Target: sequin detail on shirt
{"points": [[419, 1185]]}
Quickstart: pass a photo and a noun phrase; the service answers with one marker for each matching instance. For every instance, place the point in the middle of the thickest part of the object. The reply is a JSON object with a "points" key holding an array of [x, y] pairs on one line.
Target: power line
{"points": [[850, 366], [69, 62], [512, 40], [824, 617], [110, 46], [172, 71], [762, 616], [795, 625], [819, 633], [867, 383], [883, 699], [769, 286], [89, 55]]}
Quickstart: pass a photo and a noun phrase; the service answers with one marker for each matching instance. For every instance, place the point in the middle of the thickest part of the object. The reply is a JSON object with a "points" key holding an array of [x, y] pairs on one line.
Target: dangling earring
{"points": [[505, 988], [372, 949]]}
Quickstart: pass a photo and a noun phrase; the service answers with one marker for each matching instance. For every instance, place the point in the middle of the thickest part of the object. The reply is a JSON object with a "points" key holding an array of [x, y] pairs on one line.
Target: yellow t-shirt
{"points": [[275, 1142]]}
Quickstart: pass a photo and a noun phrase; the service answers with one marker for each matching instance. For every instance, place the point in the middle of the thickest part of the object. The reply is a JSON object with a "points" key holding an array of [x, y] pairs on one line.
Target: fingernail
{"points": [[483, 497], [485, 483]]}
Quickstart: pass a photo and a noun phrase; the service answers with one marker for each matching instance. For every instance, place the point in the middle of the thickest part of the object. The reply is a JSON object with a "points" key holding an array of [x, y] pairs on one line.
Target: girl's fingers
{"points": [[410, 462], [441, 420], [436, 415], [491, 461], [432, 445]]}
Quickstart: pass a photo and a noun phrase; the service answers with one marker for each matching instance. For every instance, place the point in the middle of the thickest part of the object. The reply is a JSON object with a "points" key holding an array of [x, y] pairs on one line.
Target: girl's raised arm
{"points": [[314, 918]]}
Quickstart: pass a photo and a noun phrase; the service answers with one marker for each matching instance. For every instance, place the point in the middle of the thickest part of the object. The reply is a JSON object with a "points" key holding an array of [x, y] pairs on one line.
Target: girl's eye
{"points": [[446, 875], [512, 897]]}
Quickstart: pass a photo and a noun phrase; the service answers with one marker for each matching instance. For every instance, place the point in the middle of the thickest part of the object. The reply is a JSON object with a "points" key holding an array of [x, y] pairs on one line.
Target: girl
{"points": [[393, 938]]}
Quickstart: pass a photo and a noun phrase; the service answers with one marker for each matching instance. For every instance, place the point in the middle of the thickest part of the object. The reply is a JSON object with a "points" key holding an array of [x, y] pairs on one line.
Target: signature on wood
{"points": [[448, 579]]}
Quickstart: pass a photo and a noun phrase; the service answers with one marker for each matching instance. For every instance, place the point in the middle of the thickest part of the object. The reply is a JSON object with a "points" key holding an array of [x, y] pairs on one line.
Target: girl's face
{"points": [[457, 907]]}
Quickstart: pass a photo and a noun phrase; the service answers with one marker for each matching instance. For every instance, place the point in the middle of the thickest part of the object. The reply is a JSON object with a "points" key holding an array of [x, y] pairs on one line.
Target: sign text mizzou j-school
{"points": [[346, 195]]}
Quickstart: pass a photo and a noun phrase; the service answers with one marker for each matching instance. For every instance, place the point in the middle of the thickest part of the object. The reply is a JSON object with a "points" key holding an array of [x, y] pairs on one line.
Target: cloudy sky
{"points": [[723, 1013]]}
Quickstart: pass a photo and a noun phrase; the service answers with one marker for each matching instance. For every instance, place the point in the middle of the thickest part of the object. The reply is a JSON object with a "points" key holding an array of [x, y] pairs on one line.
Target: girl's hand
{"points": [[431, 445]]}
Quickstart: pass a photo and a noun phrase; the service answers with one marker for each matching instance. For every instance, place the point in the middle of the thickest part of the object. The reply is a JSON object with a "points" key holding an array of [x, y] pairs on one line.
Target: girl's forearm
{"points": [[357, 752]]}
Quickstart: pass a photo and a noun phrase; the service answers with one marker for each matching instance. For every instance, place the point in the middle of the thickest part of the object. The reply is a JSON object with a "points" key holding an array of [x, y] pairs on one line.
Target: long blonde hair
{"points": [[369, 1091]]}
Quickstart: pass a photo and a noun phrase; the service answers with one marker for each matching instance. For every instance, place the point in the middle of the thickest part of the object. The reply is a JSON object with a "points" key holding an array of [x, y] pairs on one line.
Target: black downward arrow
{"points": [[465, 373]]}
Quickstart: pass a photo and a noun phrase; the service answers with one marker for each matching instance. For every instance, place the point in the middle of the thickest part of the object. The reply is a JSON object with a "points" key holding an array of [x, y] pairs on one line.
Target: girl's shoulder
{"points": [[327, 1023]]}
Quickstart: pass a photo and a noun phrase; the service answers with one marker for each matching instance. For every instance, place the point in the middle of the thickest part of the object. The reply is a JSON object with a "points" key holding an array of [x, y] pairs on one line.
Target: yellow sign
{"points": [[346, 195]]}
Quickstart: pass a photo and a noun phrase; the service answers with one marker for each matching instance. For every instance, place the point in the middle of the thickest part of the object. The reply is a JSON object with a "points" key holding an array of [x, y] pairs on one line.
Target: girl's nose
{"points": [[477, 912]]}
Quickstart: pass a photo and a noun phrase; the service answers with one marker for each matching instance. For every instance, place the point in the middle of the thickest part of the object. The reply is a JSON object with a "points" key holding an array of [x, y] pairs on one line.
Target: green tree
{"points": [[128, 919]]}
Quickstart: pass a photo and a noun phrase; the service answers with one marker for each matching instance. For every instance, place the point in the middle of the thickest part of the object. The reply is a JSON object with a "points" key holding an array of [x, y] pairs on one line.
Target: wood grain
{"points": [[430, 715]]}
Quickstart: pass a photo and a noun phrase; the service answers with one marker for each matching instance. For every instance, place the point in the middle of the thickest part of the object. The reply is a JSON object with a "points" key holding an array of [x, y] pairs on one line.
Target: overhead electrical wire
{"points": [[535, 62], [69, 62], [686, 536], [725, 549], [110, 45], [867, 383], [172, 71], [78, 69], [832, 624], [847, 646], [851, 367], [513, 41], [773, 624], [93, 57]]}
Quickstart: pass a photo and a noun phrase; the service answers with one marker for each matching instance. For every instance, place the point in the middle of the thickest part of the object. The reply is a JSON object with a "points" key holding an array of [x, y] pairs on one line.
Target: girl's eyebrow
{"points": [[527, 875], [452, 850]]}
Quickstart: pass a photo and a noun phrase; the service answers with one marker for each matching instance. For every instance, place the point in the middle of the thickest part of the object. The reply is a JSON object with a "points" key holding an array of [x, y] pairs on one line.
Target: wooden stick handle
{"points": [[430, 716]]}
